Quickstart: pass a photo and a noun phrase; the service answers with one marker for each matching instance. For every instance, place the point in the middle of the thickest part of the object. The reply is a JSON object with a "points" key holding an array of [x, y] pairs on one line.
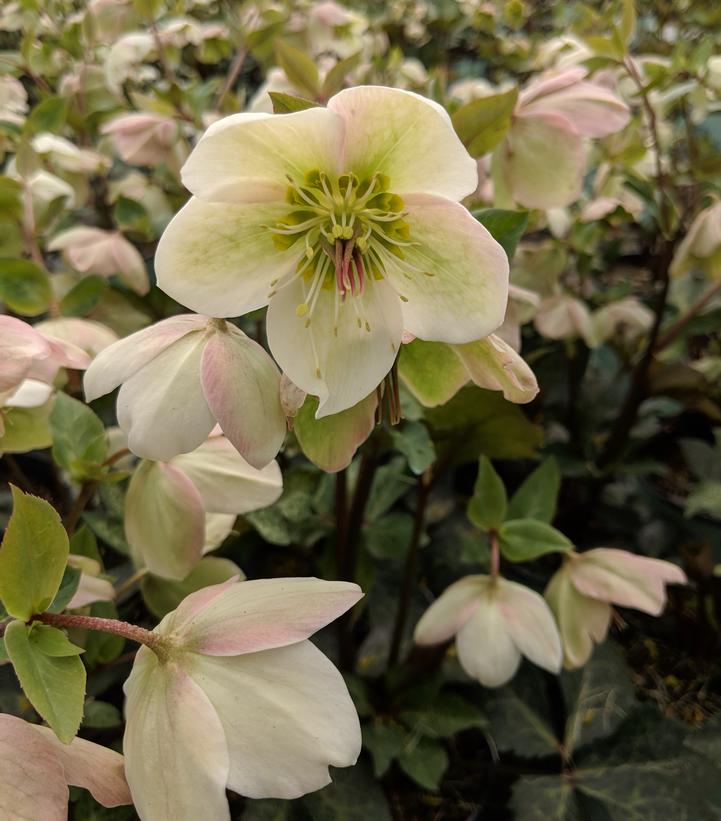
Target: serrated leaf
{"points": [[537, 497], [33, 556], [487, 508], [481, 124], [522, 540], [24, 287], [298, 66], [55, 686], [51, 642], [506, 227], [79, 438]]}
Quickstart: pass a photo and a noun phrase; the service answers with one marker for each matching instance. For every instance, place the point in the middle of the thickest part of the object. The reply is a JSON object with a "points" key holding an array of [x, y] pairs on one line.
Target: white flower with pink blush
{"points": [[36, 769], [582, 591], [542, 159], [564, 317], [142, 139], [345, 221], [238, 698], [495, 623], [168, 503], [183, 375]]}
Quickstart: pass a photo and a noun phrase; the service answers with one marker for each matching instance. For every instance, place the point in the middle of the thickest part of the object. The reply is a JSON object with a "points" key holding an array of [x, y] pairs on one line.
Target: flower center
{"points": [[346, 229]]}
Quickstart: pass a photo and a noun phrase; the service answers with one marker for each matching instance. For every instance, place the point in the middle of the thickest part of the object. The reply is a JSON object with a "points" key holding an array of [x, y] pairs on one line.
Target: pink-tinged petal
{"points": [[451, 610], [408, 138], [242, 388], [162, 408], [225, 481], [564, 317], [287, 715], [164, 520], [67, 354], [92, 767], [581, 621], [542, 161], [550, 83], [176, 756], [91, 589], [220, 259], [485, 647], [494, 365], [342, 359], [118, 362], [623, 578], [32, 779], [246, 158], [20, 344], [530, 624], [92, 337], [262, 614], [454, 279], [129, 265]]}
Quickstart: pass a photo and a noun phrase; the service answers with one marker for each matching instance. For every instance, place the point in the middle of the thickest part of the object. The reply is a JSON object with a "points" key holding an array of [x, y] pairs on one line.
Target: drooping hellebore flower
{"points": [[167, 503], [181, 376], [345, 221], [582, 591], [495, 623], [238, 697], [36, 769]]}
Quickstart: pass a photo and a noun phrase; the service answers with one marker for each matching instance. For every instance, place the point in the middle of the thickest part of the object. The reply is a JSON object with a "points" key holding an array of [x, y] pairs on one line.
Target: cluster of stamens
{"points": [[348, 230]]}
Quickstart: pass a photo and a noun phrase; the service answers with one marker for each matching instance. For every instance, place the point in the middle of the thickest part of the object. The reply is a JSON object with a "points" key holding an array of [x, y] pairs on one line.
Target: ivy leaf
{"points": [[54, 684], [522, 540], [79, 439], [33, 556], [537, 497], [483, 123], [487, 508], [24, 287]]}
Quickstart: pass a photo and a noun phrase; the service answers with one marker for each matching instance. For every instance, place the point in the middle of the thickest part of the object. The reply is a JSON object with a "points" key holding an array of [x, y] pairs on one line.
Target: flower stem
{"points": [[672, 333], [409, 575], [114, 626], [495, 555]]}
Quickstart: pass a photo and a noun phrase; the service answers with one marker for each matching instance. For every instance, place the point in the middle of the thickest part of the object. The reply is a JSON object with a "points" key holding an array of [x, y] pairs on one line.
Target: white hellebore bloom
{"points": [[181, 376], [346, 222], [495, 623], [237, 697], [168, 503]]}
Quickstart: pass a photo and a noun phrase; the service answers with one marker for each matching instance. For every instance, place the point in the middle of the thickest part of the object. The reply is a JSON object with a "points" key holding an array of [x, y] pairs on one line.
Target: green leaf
{"points": [[287, 103], [24, 287], [354, 795], [487, 508], [83, 297], [33, 556], [449, 714], [10, 198], [705, 497], [102, 648], [79, 439], [522, 540], [537, 497], [389, 536], [413, 441], [506, 227], [100, 715], [298, 66], [544, 798], [335, 78], [54, 685], [425, 762], [331, 442], [51, 642], [26, 429], [384, 741], [68, 588], [481, 124], [49, 115]]}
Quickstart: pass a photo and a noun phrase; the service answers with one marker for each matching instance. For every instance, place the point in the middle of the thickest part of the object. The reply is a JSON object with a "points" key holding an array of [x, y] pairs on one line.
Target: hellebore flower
{"points": [[701, 247], [181, 376], [167, 503], [345, 221], [237, 697], [495, 623], [627, 318], [142, 139], [37, 769], [541, 160], [95, 251], [91, 587], [582, 591], [565, 317]]}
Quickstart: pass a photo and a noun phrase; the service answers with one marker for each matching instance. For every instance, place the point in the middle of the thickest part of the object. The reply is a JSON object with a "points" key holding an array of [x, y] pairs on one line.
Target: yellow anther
{"points": [[302, 309]]}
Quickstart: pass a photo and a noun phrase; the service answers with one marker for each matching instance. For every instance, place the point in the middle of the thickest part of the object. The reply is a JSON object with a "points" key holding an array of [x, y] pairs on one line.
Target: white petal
{"points": [[531, 625], [225, 481], [340, 370], [176, 756], [407, 137], [247, 157], [494, 365], [164, 520], [162, 408], [451, 610], [485, 648], [259, 614], [242, 388], [287, 715], [121, 360], [458, 289], [219, 258], [20, 344], [30, 394]]}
